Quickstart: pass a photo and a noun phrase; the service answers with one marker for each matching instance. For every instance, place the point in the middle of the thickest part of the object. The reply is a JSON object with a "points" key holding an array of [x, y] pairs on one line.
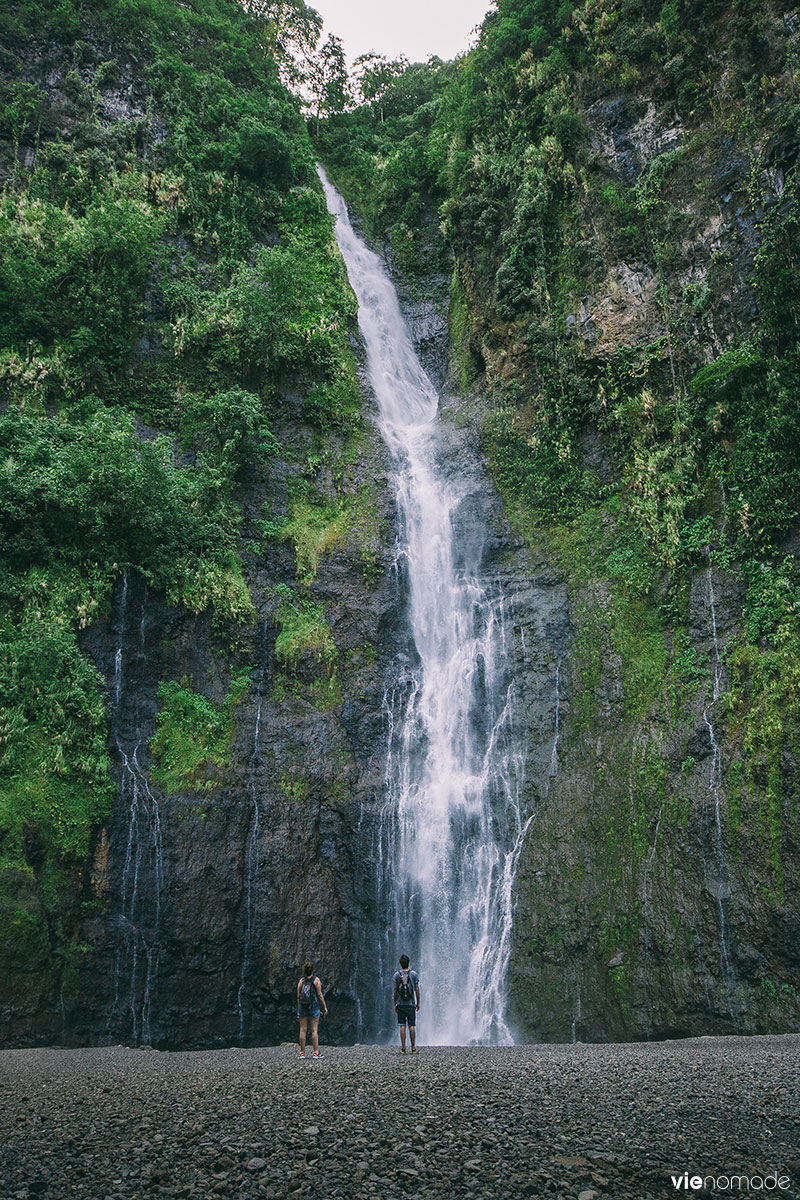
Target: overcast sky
{"points": [[416, 28]]}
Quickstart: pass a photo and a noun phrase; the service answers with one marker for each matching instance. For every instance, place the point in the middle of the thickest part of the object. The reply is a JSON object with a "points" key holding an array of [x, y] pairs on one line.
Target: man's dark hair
{"points": [[404, 961]]}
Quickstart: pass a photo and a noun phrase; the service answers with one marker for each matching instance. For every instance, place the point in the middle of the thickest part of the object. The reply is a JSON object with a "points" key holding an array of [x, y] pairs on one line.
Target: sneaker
{"points": [[415, 1050], [317, 1054], [301, 1054], [402, 1049]]}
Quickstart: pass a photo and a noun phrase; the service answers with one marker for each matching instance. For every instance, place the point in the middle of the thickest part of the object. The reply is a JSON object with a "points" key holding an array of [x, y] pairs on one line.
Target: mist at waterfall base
{"points": [[452, 826]]}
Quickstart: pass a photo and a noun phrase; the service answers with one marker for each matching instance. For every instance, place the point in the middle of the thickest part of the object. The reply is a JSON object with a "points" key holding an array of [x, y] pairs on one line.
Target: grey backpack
{"points": [[405, 988]]}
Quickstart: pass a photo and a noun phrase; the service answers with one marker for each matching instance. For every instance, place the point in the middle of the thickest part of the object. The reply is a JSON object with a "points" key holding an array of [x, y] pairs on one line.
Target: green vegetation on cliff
{"points": [[167, 271], [614, 195], [618, 188], [505, 142], [194, 736]]}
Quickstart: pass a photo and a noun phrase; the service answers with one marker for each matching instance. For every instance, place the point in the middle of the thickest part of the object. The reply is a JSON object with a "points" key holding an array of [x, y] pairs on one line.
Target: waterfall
{"points": [[718, 885], [454, 826], [577, 1013], [252, 865], [557, 733], [123, 606], [138, 933]]}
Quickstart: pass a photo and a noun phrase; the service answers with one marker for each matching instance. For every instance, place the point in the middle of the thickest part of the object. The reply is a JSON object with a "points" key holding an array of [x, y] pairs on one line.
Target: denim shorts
{"points": [[312, 1011], [406, 1014]]}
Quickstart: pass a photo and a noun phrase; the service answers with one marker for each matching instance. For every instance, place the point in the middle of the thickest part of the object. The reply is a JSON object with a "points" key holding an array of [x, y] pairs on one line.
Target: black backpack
{"points": [[405, 988], [307, 992]]}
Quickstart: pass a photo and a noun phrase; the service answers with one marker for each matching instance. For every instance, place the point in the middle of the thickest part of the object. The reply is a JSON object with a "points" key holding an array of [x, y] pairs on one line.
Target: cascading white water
{"points": [[719, 883], [136, 958], [557, 735], [454, 767], [252, 864]]}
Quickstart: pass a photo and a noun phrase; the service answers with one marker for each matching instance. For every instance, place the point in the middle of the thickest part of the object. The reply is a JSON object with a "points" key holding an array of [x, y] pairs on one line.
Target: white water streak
{"points": [[720, 884], [557, 732], [140, 911], [252, 865], [454, 769]]}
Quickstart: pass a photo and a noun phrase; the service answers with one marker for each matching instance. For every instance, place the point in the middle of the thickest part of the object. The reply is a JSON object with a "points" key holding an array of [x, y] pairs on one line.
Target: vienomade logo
{"points": [[731, 1183]]}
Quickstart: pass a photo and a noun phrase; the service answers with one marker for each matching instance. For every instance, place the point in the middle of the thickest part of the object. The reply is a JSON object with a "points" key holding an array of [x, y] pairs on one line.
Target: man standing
{"points": [[406, 1003]]}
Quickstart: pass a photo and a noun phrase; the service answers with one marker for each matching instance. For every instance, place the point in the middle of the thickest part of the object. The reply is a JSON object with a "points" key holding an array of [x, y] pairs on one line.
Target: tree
{"points": [[328, 80], [375, 73], [289, 32]]}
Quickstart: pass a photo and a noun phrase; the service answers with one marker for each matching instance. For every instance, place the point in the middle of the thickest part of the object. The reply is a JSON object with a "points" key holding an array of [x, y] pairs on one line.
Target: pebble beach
{"points": [[578, 1122]]}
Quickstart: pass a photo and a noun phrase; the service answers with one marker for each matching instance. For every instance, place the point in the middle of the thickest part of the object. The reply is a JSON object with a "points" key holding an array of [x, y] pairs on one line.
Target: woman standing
{"points": [[310, 1005]]}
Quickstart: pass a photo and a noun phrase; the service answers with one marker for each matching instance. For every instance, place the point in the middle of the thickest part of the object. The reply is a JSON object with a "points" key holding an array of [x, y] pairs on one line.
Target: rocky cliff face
{"points": [[199, 905], [246, 755], [656, 893], [647, 901], [267, 866]]}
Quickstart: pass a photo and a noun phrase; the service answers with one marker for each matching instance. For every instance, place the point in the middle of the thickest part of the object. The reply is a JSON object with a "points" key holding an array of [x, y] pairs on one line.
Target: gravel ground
{"points": [[576, 1122]]}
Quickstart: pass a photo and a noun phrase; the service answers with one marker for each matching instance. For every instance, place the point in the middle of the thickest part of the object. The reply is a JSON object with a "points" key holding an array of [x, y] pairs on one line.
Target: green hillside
{"points": [[639, 452], [167, 267]]}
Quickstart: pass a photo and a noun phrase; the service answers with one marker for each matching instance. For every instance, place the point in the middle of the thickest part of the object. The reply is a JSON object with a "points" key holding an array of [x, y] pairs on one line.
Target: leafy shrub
{"points": [[194, 736], [100, 260], [230, 428], [83, 493], [544, 473], [304, 633], [274, 317], [54, 768], [261, 152], [773, 596]]}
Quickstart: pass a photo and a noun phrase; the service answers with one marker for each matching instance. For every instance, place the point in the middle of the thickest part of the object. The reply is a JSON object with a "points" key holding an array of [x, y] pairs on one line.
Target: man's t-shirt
{"points": [[414, 981]]}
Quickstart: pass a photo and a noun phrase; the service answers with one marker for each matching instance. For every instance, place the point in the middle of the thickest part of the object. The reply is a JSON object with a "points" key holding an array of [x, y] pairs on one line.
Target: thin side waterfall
{"points": [[454, 826], [647, 918], [123, 608], [136, 958], [577, 1014], [252, 864], [557, 734], [719, 885]]}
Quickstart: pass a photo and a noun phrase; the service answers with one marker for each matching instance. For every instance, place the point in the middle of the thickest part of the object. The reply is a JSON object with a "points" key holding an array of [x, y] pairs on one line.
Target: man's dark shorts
{"points": [[406, 1014]]}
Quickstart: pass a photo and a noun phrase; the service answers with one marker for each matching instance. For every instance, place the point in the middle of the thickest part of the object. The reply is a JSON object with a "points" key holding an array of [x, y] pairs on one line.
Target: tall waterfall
{"points": [[454, 826]]}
